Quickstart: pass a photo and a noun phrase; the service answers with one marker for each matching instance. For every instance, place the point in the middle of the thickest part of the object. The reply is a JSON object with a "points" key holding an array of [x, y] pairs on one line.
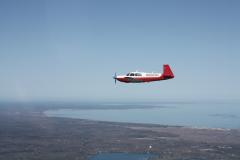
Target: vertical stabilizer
{"points": [[167, 72]]}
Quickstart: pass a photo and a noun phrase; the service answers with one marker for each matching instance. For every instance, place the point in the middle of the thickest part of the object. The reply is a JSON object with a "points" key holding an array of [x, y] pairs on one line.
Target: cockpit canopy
{"points": [[134, 74]]}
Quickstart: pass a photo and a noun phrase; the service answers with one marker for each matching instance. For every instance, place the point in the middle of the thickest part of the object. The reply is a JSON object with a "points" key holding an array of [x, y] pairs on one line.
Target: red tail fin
{"points": [[167, 72]]}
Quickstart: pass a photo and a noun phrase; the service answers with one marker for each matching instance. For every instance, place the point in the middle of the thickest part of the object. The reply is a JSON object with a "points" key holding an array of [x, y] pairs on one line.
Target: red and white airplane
{"points": [[139, 77]]}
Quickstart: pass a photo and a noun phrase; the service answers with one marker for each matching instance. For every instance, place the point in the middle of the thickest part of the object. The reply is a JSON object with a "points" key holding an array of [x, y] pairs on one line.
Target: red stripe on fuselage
{"points": [[141, 79]]}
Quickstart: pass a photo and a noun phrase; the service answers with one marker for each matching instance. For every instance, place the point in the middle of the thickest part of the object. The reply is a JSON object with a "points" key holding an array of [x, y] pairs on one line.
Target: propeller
{"points": [[115, 77]]}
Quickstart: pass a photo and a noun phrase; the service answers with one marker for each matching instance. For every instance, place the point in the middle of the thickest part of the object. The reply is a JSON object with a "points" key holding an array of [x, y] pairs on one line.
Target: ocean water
{"points": [[121, 156], [201, 115]]}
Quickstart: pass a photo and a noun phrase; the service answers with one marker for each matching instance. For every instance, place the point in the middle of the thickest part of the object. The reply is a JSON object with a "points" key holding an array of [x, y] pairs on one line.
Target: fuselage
{"points": [[139, 77]]}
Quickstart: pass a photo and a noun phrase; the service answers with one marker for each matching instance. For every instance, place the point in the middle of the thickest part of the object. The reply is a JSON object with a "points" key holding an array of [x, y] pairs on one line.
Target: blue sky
{"points": [[69, 50]]}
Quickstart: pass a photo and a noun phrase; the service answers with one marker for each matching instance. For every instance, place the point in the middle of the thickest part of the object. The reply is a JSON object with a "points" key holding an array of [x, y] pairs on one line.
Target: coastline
{"points": [[43, 137], [169, 116]]}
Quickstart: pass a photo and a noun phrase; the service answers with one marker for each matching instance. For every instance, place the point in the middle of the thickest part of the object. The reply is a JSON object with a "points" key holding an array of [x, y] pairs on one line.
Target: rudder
{"points": [[167, 72]]}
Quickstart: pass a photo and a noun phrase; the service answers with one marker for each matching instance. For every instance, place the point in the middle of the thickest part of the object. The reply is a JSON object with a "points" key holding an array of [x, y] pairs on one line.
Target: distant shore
{"points": [[188, 115]]}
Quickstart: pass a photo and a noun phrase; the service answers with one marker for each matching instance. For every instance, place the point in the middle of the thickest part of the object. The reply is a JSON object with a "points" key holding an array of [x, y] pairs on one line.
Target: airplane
{"points": [[141, 77]]}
